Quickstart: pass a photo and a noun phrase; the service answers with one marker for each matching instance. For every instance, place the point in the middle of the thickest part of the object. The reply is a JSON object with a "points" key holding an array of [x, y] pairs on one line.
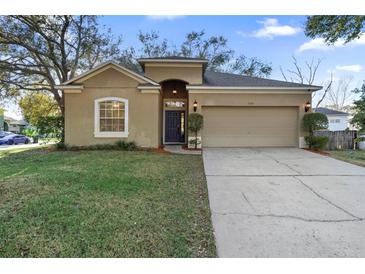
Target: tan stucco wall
{"points": [[253, 99], [144, 115], [189, 73]]}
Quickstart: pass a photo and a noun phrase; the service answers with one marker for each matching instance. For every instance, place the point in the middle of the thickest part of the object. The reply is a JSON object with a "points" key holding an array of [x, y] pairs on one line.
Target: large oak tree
{"points": [[334, 27], [39, 52], [198, 45]]}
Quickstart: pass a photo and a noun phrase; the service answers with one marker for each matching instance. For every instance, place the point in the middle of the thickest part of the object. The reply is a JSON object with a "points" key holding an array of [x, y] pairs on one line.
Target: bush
{"points": [[61, 146], [123, 145], [195, 142], [101, 147], [119, 145], [315, 121], [360, 139], [33, 133], [50, 126], [316, 142], [312, 122]]}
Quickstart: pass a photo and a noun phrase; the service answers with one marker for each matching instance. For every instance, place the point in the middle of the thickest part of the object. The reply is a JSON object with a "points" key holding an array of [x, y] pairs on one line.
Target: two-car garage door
{"points": [[250, 126]]}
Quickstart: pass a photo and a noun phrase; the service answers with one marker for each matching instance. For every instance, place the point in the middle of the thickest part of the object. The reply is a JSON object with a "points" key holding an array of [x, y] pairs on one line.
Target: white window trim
{"points": [[110, 134]]}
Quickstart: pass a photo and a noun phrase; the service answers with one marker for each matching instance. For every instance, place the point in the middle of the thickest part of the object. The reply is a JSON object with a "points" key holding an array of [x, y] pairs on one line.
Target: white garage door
{"points": [[250, 126]]}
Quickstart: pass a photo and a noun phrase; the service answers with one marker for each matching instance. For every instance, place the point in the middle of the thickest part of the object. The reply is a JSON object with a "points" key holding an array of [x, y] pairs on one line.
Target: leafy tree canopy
{"points": [[315, 121], [359, 109], [195, 123], [335, 27], [198, 45], [37, 105], [39, 52]]}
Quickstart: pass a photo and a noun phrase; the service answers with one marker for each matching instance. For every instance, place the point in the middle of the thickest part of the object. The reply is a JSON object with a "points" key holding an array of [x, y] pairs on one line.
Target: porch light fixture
{"points": [[307, 106], [195, 105], [174, 92]]}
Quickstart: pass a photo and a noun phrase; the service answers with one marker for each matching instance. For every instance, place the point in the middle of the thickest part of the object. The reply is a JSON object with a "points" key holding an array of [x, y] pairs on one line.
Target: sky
{"points": [[273, 39]]}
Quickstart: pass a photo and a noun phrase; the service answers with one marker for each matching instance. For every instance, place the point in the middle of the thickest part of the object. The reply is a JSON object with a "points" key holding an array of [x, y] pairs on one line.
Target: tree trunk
{"points": [[63, 124], [196, 139], [60, 99]]}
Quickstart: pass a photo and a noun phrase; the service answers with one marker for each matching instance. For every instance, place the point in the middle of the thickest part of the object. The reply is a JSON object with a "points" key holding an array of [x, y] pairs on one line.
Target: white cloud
{"points": [[164, 17], [272, 27], [319, 44], [360, 41], [351, 68]]}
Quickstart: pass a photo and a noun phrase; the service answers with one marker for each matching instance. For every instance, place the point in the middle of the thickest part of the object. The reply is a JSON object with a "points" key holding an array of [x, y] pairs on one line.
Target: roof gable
{"points": [[105, 66]]}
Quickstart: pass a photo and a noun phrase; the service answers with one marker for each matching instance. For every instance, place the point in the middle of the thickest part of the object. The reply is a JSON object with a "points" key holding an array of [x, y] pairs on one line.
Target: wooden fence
{"points": [[343, 139]]}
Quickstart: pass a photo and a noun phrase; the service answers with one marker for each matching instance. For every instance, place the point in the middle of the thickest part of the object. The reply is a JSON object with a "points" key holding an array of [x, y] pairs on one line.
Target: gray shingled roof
{"points": [[212, 78], [173, 58], [220, 79], [328, 111]]}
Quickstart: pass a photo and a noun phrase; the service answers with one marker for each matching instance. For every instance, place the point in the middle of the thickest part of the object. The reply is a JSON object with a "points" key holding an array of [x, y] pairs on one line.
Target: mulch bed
{"points": [[321, 152], [185, 147]]}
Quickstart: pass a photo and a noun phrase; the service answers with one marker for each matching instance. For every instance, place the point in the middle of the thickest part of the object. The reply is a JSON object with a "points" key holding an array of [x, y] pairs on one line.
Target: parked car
{"points": [[13, 139]]}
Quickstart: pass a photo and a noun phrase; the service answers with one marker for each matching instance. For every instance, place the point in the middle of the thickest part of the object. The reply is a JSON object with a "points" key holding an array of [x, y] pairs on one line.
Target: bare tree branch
{"points": [[328, 88]]}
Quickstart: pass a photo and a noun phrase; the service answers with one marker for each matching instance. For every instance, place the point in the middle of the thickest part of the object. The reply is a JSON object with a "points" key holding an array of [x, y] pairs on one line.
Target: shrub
{"points": [[316, 142], [360, 139], [312, 122], [61, 146], [31, 132], [101, 147], [315, 121], [195, 123], [73, 148], [50, 126], [195, 142], [123, 145]]}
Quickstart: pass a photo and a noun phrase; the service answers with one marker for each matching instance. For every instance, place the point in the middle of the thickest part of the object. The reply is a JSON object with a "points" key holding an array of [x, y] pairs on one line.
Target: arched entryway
{"points": [[174, 111]]}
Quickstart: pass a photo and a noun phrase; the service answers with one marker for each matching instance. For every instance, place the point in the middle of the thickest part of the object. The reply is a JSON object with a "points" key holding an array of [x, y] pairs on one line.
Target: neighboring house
{"points": [[14, 125], [2, 121], [111, 102], [337, 120]]}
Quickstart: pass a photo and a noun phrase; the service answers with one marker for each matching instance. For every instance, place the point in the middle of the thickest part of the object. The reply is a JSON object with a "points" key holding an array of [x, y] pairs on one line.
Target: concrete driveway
{"points": [[285, 202]]}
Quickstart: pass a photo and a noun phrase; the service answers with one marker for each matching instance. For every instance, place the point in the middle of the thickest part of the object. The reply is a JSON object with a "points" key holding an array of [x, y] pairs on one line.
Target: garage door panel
{"points": [[250, 126]]}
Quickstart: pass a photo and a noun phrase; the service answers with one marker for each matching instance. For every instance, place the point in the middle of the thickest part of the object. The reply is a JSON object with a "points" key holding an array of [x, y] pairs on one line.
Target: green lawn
{"points": [[103, 204], [356, 157]]}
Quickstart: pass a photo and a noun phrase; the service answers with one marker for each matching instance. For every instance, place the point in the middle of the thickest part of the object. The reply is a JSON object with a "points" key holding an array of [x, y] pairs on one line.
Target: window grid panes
{"points": [[112, 116]]}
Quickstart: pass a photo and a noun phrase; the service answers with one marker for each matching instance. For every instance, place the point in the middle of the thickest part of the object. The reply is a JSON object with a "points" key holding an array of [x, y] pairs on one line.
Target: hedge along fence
{"points": [[342, 139]]}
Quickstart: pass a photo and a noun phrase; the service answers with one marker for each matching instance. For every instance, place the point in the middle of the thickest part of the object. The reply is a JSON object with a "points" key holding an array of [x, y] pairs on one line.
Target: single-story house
{"points": [[14, 125], [111, 102], [337, 120]]}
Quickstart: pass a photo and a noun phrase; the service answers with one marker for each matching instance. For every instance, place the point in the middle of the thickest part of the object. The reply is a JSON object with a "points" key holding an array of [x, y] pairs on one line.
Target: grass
{"points": [[103, 204], [356, 157]]}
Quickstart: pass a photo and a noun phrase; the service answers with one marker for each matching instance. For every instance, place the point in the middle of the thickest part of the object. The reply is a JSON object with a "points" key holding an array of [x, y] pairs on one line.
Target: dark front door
{"points": [[174, 126]]}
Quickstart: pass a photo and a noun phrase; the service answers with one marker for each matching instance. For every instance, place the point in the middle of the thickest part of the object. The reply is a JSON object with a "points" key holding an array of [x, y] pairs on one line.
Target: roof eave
{"points": [[201, 87], [199, 61], [62, 87]]}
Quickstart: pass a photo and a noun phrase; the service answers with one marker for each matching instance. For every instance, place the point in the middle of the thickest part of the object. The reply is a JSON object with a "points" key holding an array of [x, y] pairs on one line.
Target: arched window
{"points": [[111, 117]]}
